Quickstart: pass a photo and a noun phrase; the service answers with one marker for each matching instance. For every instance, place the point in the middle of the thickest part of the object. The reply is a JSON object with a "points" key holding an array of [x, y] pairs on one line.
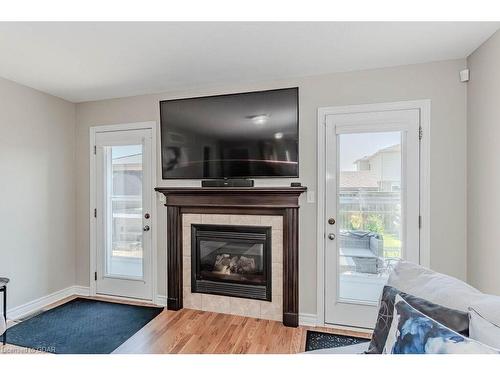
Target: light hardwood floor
{"points": [[196, 332]]}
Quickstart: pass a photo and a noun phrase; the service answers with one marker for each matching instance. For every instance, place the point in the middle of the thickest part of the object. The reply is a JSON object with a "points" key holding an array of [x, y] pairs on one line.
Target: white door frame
{"points": [[424, 106], [93, 204]]}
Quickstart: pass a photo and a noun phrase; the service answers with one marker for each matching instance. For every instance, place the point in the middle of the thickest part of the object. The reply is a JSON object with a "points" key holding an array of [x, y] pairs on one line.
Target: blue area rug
{"points": [[321, 340], [82, 326]]}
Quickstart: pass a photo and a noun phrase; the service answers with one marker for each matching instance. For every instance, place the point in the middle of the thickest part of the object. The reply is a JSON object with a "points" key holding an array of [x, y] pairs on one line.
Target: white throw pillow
{"points": [[483, 330], [433, 286]]}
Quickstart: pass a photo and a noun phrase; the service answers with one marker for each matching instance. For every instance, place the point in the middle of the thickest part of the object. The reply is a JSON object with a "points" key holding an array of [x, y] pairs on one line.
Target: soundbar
{"points": [[227, 183]]}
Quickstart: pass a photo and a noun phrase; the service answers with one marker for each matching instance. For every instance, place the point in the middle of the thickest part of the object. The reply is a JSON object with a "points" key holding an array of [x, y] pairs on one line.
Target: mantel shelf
{"points": [[230, 190], [256, 197]]}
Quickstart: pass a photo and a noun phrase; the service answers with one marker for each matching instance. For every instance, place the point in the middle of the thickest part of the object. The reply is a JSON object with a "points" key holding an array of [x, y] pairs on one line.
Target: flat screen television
{"points": [[245, 135]]}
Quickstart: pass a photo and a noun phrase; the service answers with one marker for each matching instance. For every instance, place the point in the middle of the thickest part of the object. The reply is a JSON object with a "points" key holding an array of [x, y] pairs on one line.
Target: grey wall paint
{"points": [[436, 81], [483, 147], [37, 208]]}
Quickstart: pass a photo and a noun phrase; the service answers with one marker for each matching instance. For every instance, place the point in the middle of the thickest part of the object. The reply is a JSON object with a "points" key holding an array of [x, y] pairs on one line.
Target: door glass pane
{"points": [[369, 213], [124, 250]]}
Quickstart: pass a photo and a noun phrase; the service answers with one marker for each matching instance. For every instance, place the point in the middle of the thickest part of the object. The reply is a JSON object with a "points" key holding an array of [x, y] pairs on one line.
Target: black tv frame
{"points": [[239, 177]]}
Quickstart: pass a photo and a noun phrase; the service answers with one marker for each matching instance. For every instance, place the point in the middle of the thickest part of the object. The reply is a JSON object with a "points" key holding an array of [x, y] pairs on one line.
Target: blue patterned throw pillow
{"points": [[412, 332], [457, 321]]}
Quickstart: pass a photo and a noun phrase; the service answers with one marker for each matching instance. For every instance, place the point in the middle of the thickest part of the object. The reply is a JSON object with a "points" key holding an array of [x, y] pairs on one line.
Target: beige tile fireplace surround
{"points": [[231, 305]]}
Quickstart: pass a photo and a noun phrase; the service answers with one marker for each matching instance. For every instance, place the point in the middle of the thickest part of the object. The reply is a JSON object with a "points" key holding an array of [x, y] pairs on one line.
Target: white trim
{"points": [[83, 291], [424, 106], [38, 304], [425, 183], [92, 206], [121, 299], [309, 320], [349, 328], [154, 217], [161, 300], [31, 307], [153, 125], [320, 208]]}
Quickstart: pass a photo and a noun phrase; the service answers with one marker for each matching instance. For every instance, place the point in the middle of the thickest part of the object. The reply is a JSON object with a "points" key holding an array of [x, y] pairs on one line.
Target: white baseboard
{"points": [[28, 308], [161, 300], [310, 320], [31, 307], [83, 291], [353, 329]]}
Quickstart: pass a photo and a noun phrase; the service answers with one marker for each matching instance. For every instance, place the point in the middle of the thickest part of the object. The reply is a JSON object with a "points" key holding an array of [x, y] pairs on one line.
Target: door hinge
{"points": [[95, 212], [419, 221], [95, 150], [95, 276], [420, 133]]}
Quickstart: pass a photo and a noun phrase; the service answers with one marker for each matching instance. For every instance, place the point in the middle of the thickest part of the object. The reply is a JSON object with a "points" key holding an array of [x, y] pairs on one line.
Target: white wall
{"points": [[37, 190], [483, 149], [436, 81]]}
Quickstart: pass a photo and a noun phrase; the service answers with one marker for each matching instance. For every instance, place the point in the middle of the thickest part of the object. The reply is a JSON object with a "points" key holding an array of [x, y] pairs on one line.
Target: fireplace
{"points": [[231, 260], [224, 203]]}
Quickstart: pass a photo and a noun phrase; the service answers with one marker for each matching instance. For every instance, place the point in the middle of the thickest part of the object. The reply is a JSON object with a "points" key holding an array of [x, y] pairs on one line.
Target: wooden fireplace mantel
{"points": [[279, 201]]}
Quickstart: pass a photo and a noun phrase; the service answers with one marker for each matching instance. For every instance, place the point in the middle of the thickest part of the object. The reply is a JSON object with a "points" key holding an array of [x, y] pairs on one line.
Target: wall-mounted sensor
{"points": [[464, 75]]}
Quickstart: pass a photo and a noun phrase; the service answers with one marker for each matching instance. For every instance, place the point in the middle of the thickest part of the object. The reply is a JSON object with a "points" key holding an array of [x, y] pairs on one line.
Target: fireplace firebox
{"points": [[231, 260]]}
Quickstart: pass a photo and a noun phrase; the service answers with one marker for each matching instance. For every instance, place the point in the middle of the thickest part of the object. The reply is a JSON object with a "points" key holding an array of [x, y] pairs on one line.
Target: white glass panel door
{"points": [[123, 189], [372, 193], [124, 248], [370, 224]]}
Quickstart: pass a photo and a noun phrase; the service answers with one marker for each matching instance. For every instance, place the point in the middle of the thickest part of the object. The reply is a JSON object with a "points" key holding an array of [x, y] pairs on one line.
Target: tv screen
{"points": [[247, 135]]}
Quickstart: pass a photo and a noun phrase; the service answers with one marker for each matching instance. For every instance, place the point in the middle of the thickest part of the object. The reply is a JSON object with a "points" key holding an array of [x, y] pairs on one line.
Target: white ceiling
{"points": [[92, 61]]}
